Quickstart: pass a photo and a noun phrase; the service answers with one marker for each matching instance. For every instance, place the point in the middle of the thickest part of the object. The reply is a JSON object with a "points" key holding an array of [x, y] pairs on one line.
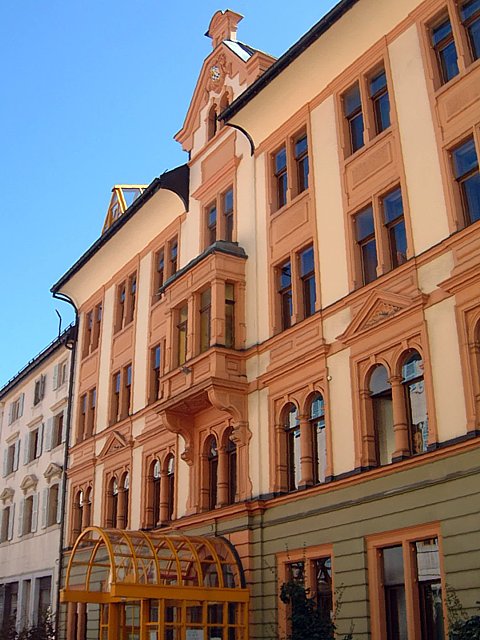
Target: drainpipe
{"points": [[71, 344]]}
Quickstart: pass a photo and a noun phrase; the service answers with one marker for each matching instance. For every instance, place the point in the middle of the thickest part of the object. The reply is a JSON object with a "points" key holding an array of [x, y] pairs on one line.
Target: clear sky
{"points": [[93, 92]]}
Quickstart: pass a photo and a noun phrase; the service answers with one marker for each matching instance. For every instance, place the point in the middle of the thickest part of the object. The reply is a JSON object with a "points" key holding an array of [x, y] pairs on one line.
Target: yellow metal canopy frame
{"points": [[112, 565]]}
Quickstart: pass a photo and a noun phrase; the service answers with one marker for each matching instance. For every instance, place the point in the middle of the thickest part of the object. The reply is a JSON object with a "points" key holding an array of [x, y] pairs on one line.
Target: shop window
{"points": [[205, 319], [414, 385], [92, 324], [39, 390], [182, 335], [382, 410], [229, 315], [291, 425], [155, 372], [318, 438], [406, 575], [467, 176]]}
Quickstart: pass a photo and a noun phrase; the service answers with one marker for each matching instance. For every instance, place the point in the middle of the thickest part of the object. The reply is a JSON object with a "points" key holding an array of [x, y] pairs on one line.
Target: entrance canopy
{"points": [[112, 565]]}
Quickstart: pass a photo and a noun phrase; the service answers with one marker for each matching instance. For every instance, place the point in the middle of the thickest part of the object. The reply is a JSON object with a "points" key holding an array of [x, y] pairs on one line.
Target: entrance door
{"points": [[130, 621]]}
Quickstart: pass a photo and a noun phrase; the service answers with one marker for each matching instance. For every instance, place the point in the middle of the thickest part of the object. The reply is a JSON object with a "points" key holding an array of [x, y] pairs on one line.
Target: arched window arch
{"points": [[212, 471], [231, 464], [380, 391], [416, 402], [112, 503], [291, 426], [318, 438], [212, 122], [170, 483]]}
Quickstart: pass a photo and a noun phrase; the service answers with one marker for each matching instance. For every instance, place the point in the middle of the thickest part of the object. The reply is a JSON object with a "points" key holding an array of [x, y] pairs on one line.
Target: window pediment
{"points": [[7, 495], [115, 443], [53, 471], [29, 483]]}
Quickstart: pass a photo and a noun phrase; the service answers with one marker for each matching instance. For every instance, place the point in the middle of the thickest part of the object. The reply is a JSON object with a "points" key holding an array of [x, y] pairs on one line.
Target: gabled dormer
{"points": [[123, 195], [226, 73]]}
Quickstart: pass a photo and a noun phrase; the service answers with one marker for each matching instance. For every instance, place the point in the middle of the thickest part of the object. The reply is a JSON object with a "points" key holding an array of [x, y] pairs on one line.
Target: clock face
{"points": [[215, 72]]}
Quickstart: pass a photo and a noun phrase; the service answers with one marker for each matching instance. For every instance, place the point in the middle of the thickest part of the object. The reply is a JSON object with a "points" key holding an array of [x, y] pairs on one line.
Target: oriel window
{"points": [[229, 315], [205, 319], [211, 223]]}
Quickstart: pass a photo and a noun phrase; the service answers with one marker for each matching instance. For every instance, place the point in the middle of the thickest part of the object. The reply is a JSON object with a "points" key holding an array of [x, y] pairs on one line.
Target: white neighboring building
{"points": [[33, 420]]}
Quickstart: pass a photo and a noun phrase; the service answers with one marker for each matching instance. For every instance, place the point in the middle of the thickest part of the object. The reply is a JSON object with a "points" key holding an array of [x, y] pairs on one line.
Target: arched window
{"points": [[212, 122], [212, 465], [292, 432], [416, 402], [319, 441], [122, 517], [224, 102], [170, 479], [231, 454], [155, 494], [112, 503], [382, 409]]}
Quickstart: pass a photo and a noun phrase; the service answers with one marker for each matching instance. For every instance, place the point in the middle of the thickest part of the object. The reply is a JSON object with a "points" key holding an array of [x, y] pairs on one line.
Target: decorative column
{"points": [[281, 462], [369, 454], [81, 620], [121, 515], [400, 422], [149, 510], [163, 499], [71, 620], [217, 327], [222, 477], [306, 453]]}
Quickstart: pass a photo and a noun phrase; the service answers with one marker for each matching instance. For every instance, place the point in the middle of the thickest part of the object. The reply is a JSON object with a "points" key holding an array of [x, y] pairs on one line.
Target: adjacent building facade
{"points": [[279, 341], [33, 419]]}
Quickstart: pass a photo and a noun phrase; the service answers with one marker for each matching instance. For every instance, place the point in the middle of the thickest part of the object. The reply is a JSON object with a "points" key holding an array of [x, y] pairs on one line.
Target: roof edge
{"points": [[328, 20]]}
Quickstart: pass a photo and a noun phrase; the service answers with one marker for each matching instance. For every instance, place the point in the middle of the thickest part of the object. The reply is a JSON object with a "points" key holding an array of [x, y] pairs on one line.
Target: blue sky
{"points": [[93, 93]]}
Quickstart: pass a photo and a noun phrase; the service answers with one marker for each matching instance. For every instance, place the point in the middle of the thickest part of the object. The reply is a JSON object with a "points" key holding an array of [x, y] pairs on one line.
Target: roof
{"points": [[328, 20], [35, 362], [176, 180], [242, 50]]}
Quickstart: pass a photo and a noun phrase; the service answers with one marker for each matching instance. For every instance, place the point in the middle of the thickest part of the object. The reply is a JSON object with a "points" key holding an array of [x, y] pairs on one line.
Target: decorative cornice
{"points": [[53, 471], [7, 495], [29, 483]]}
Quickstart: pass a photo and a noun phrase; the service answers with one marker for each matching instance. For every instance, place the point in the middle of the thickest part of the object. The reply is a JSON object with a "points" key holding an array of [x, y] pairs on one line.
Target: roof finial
{"points": [[223, 26]]}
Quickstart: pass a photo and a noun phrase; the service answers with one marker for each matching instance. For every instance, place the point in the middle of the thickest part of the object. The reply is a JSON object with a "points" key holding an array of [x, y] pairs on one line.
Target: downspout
{"points": [[71, 344]]}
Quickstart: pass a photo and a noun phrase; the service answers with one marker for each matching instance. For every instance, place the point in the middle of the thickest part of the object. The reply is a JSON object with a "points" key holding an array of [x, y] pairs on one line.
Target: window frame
{"points": [[463, 217], [224, 218], [295, 185], [121, 399], [404, 537]]}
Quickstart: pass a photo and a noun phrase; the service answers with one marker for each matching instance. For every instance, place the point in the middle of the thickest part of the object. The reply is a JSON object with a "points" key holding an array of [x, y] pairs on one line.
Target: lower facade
{"points": [[26, 599], [391, 553]]}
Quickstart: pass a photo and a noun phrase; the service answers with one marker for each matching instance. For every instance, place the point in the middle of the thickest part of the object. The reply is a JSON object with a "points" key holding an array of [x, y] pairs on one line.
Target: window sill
{"points": [[369, 145], [119, 332], [298, 198], [444, 88], [90, 355]]}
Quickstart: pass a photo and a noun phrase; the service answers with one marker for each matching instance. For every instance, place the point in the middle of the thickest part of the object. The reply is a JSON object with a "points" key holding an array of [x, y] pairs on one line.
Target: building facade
{"points": [[33, 430], [279, 340]]}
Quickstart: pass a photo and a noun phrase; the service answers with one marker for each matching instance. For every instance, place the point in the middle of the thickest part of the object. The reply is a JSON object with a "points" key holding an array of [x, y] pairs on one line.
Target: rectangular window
{"points": [[470, 15], [159, 277], [228, 215], [126, 391], [44, 589], [92, 411], [132, 297], [58, 430], [301, 162], [173, 257], [285, 294], [352, 108], [155, 359], [91, 336], [380, 101], [34, 445], [367, 249], [211, 213], [392, 205], [205, 319], [5, 526], [229, 315], [182, 322], [87, 338], [96, 326], [82, 419], [39, 391], [281, 177], [16, 409], [11, 457], [445, 50], [465, 166], [307, 275], [121, 306], [115, 405]]}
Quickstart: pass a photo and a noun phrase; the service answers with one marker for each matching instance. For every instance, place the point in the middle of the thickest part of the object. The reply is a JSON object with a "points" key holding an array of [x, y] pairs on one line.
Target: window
{"points": [[307, 275], [366, 245], [285, 294], [126, 300], [352, 108], [212, 472], [467, 176], [123, 502], [470, 15], [39, 391], [445, 50], [58, 432], [165, 263], [155, 495], [15, 410], [405, 574], [33, 445], [380, 101], [11, 457], [93, 320], [112, 503], [182, 324], [219, 218], [173, 259], [205, 319], [229, 315], [231, 455], [44, 590], [82, 420], [91, 412], [382, 409], [6, 529], [53, 506], [281, 177], [155, 372], [121, 394], [212, 122], [292, 432], [416, 404], [28, 515], [59, 374], [301, 162], [392, 205], [318, 438], [159, 277], [170, 501]]}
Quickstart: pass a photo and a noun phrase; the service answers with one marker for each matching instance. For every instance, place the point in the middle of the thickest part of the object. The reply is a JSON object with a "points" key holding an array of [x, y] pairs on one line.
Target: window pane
{"points": [[356, 132], [395, 605], [398, 244], [441, 32], [351, 100], [448, 58], [465, 158], [301, 146], [393, 205], [429, 589], [306, 261], [364, 224], [378, 83], [228, 200], [469, 9], [382, 112], [474, 35], [369, 261], [280, 160], [285, 275]]}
